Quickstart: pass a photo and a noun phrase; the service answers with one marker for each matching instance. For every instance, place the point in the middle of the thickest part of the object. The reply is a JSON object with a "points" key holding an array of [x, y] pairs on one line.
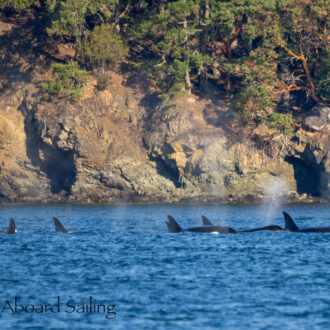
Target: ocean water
{"points": [[142, 277]]}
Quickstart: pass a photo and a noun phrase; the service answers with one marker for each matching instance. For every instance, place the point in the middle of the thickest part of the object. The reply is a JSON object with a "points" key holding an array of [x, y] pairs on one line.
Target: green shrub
{"points": [[171, 79], [16, 4], [280, 121], [102, 83], [102, 47], [251, 99], [67, 79]]}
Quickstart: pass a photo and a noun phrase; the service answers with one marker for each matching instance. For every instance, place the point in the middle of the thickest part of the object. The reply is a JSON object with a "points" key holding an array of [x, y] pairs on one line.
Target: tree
{"points": [[304, 41], [223, 24], [173, 29], [68, 17], [102, 47]]}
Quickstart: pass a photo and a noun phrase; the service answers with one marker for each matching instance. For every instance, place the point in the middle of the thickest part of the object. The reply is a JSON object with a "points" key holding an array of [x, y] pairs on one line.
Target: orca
{"points": [[291, 226], [271, 228], [207, 222], [59, 227], [11, 228], [174, 227]]}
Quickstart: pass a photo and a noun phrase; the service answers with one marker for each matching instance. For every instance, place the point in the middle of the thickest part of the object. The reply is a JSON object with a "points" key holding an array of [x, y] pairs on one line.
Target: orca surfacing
{"points": [[59, 228], [270, 228], [291, 226], [11, 228], [174, 227], [207, 222]]}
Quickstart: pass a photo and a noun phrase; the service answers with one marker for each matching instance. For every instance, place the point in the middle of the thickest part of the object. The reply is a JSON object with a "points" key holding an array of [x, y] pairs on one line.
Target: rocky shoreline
{"points": [[248, 200], [122, 144], [64, 153]]}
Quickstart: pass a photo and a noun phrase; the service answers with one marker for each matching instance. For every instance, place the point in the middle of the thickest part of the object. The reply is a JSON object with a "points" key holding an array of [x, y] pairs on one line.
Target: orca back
{"points": [[172, 225], [289, 223], [12, 227], [59, 227], [206, 221], [316, 230], [270, 228], [211, 230]]}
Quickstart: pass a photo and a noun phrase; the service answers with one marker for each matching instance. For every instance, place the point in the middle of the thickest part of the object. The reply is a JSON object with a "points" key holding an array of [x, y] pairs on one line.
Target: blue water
{"points": [[124, 256]]}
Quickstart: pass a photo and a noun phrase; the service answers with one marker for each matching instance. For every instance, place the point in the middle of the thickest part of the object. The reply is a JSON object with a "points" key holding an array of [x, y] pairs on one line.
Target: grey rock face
{"points": [[319, 118]]}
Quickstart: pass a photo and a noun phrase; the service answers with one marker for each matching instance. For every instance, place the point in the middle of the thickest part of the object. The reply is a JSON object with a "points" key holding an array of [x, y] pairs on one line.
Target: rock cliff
{"points": [[108, 147], [122, 144]]}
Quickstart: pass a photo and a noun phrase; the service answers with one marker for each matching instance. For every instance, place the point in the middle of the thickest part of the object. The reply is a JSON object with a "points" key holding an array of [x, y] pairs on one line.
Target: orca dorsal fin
{"points": [[172, 225], [12, 227], [59, 227], [289, 223], [206, 221]]}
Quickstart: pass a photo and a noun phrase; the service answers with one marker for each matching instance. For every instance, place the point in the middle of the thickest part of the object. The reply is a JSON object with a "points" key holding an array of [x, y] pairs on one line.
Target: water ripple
{"points": [[123, 255]]}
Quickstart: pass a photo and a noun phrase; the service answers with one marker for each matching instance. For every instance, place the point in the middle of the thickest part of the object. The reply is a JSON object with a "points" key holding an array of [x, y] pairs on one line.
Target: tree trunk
{"points": [[187, 77], [207, 9], [203, 79], [188, 83]]}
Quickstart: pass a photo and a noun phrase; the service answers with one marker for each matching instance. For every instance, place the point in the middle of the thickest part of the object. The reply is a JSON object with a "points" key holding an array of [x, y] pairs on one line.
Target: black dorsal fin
{"points": [[289, 223], [12, 227], [173, 226], [206, 221], [59, 227]]}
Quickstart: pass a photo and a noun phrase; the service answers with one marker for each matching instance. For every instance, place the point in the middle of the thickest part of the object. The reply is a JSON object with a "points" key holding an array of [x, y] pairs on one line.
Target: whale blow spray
{"points": [[275, 190]]}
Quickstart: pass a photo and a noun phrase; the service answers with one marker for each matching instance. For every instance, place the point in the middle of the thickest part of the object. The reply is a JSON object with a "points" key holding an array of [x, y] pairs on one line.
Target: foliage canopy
{"points": [[257, 50]]}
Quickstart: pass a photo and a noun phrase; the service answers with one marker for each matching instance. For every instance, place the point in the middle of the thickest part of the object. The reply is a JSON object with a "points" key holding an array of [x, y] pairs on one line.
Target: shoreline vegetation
{"points": [[154, 101], [257, 52]]}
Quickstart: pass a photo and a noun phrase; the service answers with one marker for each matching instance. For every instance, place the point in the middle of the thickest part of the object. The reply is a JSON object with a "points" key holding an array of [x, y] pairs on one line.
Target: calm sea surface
{"points": [[124, 256]]}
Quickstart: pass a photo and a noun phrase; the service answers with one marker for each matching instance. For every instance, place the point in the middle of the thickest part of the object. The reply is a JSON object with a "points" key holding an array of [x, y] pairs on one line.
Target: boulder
{"points": [[319, 118]]}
